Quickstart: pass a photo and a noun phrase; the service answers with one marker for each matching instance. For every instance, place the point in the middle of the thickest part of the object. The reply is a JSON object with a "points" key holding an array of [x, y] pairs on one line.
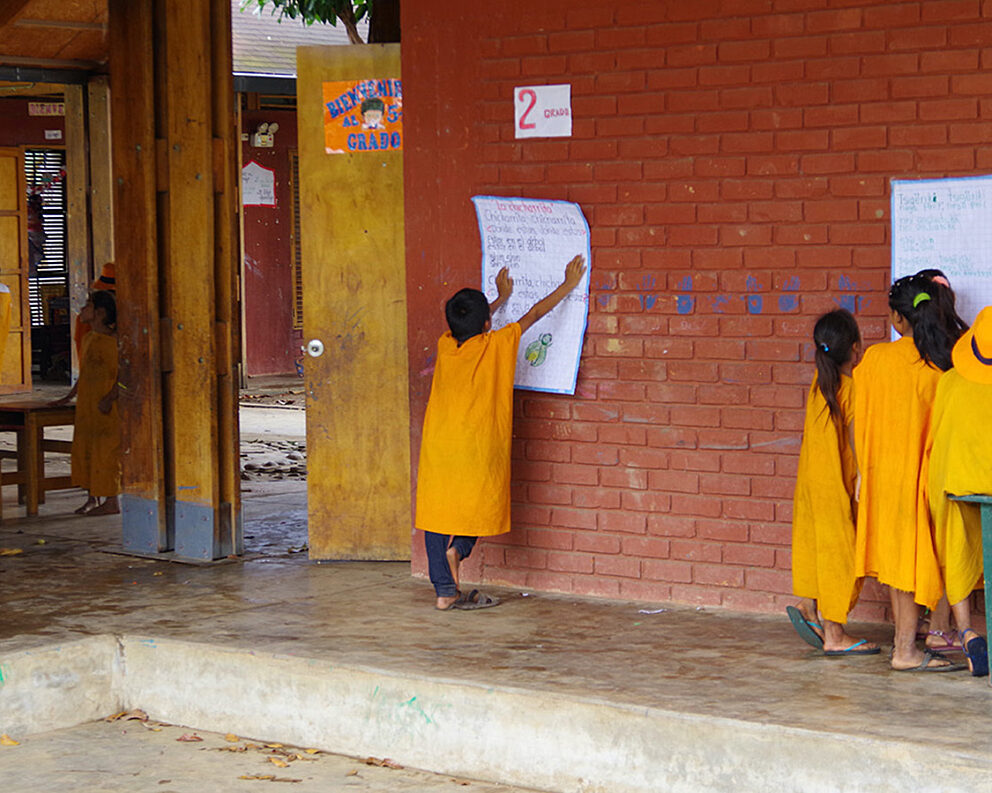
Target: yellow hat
{"points": [[107, 279], [972, 354]]}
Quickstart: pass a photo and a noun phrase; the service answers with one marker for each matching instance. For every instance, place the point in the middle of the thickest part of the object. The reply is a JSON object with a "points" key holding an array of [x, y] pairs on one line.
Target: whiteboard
{"points": [[535, 239], [946, 224]]}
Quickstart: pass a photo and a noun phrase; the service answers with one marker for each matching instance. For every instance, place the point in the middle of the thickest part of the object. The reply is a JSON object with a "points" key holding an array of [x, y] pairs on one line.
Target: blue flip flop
{"points": [[977, 651], [853, 650], [805, 627]]}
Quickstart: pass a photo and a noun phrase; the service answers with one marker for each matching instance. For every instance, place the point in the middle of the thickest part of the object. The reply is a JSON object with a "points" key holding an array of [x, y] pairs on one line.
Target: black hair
{"points": [[104, 299], [946, 301], [372, 103], [915, 298], [834, 334], [467, 313]]}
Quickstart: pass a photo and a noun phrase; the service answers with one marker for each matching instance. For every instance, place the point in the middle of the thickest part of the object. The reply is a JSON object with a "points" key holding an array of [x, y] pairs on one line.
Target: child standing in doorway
{"points": [[463, 480], [894, 391], [824, 503], [96, 440]]}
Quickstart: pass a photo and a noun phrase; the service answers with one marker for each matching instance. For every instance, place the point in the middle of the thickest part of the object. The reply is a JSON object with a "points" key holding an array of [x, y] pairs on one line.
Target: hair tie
{"points": [[922, 297], [939, 279], [824, 347]]}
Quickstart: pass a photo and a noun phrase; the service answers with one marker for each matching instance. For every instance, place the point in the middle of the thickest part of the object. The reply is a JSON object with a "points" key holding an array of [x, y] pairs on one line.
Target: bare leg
{"points": [[453, 561], [905, 612], [939, 635], [109, 506], [807, 607]]}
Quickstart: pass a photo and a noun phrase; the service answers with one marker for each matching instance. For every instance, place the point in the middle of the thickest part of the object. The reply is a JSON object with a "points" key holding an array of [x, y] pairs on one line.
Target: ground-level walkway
{"points": [[555, 693]]}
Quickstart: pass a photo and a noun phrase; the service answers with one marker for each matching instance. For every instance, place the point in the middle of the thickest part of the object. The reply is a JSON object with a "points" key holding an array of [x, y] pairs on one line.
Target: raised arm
{"points": [[504, 287], [574, 271]]}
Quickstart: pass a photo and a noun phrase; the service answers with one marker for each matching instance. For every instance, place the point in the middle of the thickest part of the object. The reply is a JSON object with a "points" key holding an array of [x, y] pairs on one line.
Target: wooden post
{"points": [[173, 60], [77, 211]]}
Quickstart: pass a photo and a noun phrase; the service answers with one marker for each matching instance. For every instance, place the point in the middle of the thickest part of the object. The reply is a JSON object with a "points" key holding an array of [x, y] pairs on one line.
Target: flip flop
{"points": [[977, 651], [853, 650], [453, 604], [924, 666], [476, 600], [952, 642], [805, 627]]}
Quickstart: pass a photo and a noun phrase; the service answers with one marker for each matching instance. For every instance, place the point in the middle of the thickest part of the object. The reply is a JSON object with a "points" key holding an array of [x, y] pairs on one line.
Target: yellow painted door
{"points": [[354, 301], [15, 368]]}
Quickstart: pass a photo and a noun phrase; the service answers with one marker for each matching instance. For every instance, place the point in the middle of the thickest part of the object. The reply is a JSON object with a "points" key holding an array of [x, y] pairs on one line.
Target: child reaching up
{"points": [[824, 504], [894, 387], [960, 463], [463, 480], [96, 439]]}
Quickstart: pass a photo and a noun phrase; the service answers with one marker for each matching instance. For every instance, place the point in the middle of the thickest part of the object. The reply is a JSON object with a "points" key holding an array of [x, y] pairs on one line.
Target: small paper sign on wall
{"points": [[258, 185], [542, 111]]}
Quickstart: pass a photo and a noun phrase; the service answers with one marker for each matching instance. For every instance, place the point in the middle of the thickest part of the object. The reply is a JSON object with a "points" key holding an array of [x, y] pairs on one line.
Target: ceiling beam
{"points": [[59, 24], [10, 10]]}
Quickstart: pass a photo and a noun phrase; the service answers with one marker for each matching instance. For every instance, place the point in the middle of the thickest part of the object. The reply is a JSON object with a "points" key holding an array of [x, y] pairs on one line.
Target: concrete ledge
{"points": [[55, 686], [519, 737]]}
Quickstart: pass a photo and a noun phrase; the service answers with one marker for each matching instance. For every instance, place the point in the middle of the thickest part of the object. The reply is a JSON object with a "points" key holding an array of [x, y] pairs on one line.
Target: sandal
{"points": [[809, 631], [475, 600], [951, 642], [977, 651]]}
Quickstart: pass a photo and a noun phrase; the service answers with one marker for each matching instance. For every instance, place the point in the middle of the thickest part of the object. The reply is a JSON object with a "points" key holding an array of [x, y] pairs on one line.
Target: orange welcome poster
{"points": [[363, 115]]}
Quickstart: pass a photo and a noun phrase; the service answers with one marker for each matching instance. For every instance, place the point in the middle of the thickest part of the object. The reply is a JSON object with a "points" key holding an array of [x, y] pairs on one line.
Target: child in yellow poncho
{"points": [[960, 463], [894, 387], [823, 505], [96, 440], [463, 480]]}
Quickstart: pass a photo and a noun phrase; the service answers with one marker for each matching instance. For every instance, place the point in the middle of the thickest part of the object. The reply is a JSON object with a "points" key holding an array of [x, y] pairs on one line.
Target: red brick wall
{"points": [[733, 159]]}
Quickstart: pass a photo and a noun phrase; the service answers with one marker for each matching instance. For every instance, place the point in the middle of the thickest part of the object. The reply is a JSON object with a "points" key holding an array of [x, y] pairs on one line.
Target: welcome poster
{"points": [[363, 115]]}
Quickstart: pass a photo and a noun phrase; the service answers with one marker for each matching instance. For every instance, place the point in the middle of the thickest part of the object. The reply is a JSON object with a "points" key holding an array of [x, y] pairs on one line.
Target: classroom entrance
{"points": [[354, 302]]}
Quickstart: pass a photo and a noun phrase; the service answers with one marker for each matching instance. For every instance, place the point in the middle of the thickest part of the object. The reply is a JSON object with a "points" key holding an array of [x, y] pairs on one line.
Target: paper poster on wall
{"points": [[258, 185], [946, 224], [535, 239], [542, 111], [363, 116]]}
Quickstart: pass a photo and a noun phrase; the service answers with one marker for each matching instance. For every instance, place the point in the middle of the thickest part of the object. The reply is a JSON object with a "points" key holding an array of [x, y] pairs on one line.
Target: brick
{"points": [[673, 437], [549, 494], [891, 162], [723, 75], [694, 460], [567, 518], [623, 522], [571, 41], [666, 570], [689, 55], [596, 587], [949, 61], [800, 47], [526, 557], [600, 498], [950, 10], [645, 591], [948, 109], [548, 581], [777, 72], [724, 485], [695, 551], [618, 566], [718, 575], [944, 161], [748, 98], [760, 580], [697, 506], [543, 66], [570, 562], [647, 547], [647, 458], [744, 51], [748, 142], [573, 474], [749, 555]]}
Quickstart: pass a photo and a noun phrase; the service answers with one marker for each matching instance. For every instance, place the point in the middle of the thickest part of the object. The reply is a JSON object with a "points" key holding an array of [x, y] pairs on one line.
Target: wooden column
{"points": [[77, 183], [176, 244]]}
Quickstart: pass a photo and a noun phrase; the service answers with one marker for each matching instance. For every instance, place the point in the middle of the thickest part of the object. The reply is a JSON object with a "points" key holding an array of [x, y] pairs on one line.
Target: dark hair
{"points": [[104, 299], [916, 299], [467, 313], [372, 103], [946, 301], [834, 334]]}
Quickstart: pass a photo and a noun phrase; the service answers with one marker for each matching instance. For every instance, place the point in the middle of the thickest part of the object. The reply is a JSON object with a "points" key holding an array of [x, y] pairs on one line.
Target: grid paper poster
{"points": [[535, 239], [363, 115], [946, 224]]}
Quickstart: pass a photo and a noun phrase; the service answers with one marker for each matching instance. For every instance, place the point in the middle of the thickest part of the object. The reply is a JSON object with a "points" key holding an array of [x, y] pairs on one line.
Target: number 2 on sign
{"points": [[527, 93]]}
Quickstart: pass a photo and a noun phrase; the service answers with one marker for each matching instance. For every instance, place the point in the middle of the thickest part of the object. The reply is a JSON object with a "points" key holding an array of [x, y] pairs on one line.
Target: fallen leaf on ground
{"points": [[312, 751], [160, 572], [6, 740], [41, 542], [352, 772], [10, 551], [231, 738], [384, 763], [273, 746], [189, 737], [278, 763], [257, 776]]}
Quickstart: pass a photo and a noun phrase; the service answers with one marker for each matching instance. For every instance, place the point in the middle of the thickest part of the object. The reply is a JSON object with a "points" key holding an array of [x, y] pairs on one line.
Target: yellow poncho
{"points": [[463, 481], [893, 395], [823, 507], [96, 439], [960, 463]]}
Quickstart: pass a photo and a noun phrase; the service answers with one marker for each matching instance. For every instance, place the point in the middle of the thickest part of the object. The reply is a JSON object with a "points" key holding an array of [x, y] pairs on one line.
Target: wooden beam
{"points": [[77, 187], [10, 10], [59, 24]]}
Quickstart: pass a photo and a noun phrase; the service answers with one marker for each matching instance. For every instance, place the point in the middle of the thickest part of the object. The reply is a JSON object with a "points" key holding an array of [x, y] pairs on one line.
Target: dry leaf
{"points": [[387, 763], [10, 551], [6, 740], [257, 776], [278, 763], [352, 772], [273, 746], [129, 715], [116, 716], [231, 738], [312, 751], [189, 737], [160, 572]]}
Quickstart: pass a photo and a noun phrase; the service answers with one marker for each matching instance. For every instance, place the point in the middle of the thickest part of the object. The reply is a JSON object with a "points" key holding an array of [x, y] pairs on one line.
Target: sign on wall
{"points": [[258, 185], [363, 115], [542, 111], [46, 108], [535, 239], [946, 224]]}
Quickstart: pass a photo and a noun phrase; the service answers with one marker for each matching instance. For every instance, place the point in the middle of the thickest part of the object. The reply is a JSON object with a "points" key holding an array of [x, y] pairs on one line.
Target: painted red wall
{"points": [[272, 345], [17, 128], [733, 159]]}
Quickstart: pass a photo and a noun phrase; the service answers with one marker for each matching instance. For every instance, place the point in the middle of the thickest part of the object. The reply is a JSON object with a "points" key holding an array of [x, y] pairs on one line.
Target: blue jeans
{"points": [[437, 562]]}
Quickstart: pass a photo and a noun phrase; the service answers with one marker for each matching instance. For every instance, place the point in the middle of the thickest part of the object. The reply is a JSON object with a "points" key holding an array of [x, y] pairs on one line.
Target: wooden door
{"points": [[354, 309], [15, 368]]}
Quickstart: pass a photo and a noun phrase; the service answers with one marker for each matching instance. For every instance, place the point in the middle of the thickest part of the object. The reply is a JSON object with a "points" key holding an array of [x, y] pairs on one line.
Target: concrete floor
{"points": [[701, 664]]}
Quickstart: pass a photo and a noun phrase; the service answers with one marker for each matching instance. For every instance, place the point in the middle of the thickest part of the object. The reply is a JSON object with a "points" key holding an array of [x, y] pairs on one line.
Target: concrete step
{"points": [[513, 735]]}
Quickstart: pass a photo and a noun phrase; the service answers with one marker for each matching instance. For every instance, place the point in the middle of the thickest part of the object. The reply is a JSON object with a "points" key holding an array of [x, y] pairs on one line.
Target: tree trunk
{"points": [[384, 27], [347, 16]]}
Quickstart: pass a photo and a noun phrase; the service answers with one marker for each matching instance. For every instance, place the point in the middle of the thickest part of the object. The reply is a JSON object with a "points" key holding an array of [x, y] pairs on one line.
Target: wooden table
{"points": [[29, 419], [985, 504]]}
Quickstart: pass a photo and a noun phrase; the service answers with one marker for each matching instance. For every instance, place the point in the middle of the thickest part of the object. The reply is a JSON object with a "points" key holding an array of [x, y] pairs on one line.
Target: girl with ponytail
{"points": [[894, 387], [823, 505]]}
